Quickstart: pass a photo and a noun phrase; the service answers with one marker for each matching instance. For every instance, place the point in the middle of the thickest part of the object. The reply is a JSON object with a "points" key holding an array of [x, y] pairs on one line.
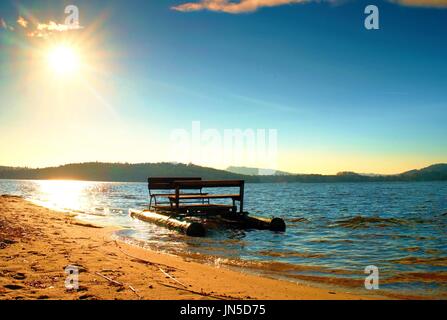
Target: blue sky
{"points": [[341, 97]]}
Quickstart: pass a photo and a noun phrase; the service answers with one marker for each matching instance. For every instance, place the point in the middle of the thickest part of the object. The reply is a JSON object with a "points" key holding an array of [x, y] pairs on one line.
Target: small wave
{"points": [[73, 210], [437, 279], [438, 261], [288, 254], [130, 197], [350, 282], [411, 249], [324, 240], [270, 266], [300, 219], [365, 222], [11, 196], [94, 214]]}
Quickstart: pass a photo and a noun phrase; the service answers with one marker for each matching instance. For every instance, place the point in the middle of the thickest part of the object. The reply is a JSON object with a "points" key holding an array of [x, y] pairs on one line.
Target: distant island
{"points": [[124, 172]]}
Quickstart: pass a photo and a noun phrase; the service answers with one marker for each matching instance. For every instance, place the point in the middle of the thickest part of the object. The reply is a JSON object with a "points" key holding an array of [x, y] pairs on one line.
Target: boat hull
{"points": [[193, 229], [196, 226]]}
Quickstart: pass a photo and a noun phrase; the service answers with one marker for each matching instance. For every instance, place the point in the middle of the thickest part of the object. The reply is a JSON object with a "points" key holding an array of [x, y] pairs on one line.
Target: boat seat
{"points": [[197, 207], [167, 195], [204, 196]]}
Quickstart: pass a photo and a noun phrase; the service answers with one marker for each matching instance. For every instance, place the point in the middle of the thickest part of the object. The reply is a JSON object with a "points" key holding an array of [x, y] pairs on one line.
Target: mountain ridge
{"points": [[138, 172]]}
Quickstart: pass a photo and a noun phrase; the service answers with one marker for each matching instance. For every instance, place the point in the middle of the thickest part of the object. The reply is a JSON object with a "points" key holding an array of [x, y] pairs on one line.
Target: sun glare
{"points": [[63, 60]]}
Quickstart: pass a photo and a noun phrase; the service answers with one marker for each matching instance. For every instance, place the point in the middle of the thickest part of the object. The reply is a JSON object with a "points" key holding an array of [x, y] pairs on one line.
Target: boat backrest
{"points": [[167, 183], [191, 184]]}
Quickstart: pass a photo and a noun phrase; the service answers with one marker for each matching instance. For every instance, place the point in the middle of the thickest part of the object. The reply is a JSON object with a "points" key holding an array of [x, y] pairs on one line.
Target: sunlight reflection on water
{"points": [[62, 194]]}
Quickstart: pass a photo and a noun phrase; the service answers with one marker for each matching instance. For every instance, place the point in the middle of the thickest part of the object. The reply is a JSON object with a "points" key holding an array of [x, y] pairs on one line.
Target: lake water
{"points": [[333, 231]]}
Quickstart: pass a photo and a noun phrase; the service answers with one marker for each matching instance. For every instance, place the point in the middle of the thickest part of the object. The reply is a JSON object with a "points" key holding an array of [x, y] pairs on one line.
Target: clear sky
{"points": [[340, 97]]}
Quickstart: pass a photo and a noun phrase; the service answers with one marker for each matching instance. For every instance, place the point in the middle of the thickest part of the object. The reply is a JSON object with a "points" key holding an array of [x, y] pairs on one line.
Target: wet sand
{"points": [[37, 244]]}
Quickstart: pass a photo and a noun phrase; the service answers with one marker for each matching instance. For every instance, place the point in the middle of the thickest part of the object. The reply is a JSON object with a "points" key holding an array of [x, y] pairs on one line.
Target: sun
{"points": [[63, 60]]}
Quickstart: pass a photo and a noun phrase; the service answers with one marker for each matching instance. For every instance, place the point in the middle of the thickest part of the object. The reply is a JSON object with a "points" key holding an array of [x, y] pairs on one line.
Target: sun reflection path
{"points": [[64, 194]]}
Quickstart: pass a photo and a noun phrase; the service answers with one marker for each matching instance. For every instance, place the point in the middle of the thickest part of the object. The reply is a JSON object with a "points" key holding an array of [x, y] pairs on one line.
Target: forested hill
{"points": [[120, 172]]}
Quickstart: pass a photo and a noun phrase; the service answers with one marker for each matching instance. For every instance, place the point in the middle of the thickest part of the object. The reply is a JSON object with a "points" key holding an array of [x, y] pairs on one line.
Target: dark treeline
{"points": [[121, 172]]}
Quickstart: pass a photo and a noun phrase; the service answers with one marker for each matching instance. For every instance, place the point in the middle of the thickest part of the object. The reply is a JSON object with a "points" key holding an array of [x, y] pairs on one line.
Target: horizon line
{"points": [[226, 169]]}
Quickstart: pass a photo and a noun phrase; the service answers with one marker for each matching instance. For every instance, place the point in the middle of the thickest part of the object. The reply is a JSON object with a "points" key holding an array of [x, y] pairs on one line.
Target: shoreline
{"points": [[37, 244]]}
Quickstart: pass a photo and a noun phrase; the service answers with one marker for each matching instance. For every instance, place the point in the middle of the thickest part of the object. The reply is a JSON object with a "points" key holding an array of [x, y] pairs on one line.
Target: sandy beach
{"points": [[37, 244]]}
